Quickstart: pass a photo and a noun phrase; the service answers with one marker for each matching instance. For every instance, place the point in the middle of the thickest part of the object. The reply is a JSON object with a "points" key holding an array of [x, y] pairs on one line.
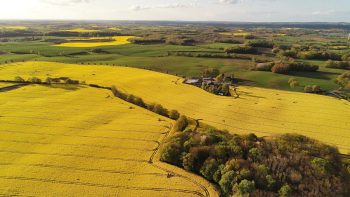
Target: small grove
{"points": [[245, 165]]}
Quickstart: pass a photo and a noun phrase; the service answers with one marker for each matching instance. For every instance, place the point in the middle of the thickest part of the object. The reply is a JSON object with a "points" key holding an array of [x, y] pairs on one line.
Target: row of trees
{"points": [[156, 108], [285, 67], [48, 80], [338, 64], [308, 54], [245, 165]]}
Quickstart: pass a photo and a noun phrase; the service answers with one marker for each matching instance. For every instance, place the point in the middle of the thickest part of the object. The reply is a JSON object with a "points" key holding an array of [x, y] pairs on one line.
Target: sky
{"points": [[183, 10]]}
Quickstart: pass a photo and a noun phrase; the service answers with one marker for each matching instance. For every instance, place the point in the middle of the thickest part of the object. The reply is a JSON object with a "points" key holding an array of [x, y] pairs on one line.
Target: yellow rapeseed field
{"points": [[236, 34], [83, 142], [118, 40], [262, 111], [11, 27], [81, 30], [2, 85]]}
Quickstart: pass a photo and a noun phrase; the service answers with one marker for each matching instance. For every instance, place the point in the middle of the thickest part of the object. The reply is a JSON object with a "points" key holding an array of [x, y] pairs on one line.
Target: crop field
{"points": [[265, 112], [12, 27], [81, 30], [118, 40], [2, 85], [83, 142]]}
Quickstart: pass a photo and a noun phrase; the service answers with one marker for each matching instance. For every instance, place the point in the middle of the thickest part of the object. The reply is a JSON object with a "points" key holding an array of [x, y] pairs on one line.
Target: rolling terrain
{"points": [[265, 112], [59, 141]]}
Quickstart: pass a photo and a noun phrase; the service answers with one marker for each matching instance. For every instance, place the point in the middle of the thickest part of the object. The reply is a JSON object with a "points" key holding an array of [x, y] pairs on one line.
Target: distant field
{"points": [[2, 85], [81, 30], [118, 40], [262, 111], [82, 142], [11, 27]]}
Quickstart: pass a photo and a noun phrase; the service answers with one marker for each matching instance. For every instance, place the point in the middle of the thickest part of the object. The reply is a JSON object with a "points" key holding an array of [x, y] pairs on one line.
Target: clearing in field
{"points": [[83, 142], [265, 112], [118, 40]]}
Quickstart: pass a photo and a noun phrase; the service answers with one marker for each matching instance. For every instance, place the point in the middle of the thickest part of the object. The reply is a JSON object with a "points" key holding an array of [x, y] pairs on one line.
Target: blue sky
{"points": [[194, 10]]}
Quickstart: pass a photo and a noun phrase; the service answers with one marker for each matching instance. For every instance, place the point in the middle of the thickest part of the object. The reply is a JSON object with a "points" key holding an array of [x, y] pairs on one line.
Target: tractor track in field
{"points": [[82, 169], [150, 161], [69, 120], [157, 189], [80, 136], [80, 128], [77, 145], [207, 194], [74, 155]]}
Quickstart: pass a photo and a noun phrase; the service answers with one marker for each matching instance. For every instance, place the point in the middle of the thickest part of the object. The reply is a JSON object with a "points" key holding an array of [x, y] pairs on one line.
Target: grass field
{"points": [[262, 111], [118, 40], [84, 142]]}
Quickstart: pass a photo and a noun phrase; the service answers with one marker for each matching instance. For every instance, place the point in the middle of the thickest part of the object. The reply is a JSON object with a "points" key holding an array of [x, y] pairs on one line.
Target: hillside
{"points": [[79, 141], [262, 111]]}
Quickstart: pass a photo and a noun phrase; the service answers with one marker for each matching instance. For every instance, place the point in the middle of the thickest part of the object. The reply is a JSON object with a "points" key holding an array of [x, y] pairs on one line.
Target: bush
{"points": [[241, 50], [246, 187], [19, 79], [281, 68], [159, 109], [344, 80], [260, 43], [181, 123], [337, 64], [34, 80], [210, 72], [264, 66], [319, 55], [118, 93], [173, 114]]}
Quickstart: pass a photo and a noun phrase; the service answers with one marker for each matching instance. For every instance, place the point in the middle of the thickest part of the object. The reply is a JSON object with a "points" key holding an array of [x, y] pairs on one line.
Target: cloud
{"points": [[230, 1], [163, 6], [323, 13], [64, 2]]}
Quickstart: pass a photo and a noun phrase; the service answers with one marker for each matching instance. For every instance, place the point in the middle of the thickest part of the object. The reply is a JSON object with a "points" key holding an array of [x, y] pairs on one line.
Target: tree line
{"points": [[246, 165]]}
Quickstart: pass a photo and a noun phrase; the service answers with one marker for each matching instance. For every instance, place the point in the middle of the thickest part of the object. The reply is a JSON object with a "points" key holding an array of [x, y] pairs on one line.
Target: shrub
{"points": [[246, 187], [34, 80], [173, 114], [344, 80], [337, 64], [139, 102], [159, 109], [319, 55], [19, 79], [264, 66], [118, 93], [308, 89], [209, 168], [285, 191], [241, 50], [181, 123], [281, 68], [210, 72], [260, 43]]}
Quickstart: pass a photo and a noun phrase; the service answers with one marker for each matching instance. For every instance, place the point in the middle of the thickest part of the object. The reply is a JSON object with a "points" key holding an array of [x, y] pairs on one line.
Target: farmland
{"points": [[261, 111], [118, 40], [102, 108], [98, 144]]}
